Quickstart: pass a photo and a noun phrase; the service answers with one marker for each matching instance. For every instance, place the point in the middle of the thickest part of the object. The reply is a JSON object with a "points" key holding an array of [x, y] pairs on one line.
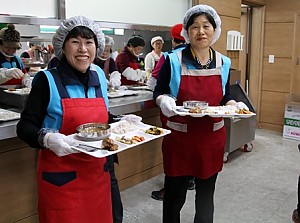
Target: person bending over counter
{"points": [[72, 186], [12, 69], [127, 61]]}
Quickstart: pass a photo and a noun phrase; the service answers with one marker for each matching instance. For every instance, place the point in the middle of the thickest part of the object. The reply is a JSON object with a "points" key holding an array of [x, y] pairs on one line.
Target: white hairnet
{"points": [[67, 25], [198, 9], [109, 41], [156, 38]]}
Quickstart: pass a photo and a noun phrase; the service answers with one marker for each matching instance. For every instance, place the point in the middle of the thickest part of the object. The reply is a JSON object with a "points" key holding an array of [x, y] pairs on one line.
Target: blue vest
{"points": [[53, 118], [176, 73]]}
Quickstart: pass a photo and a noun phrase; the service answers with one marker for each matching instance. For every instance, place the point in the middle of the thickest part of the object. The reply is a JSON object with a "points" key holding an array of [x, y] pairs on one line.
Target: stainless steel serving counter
{"points": [[117, 106]]}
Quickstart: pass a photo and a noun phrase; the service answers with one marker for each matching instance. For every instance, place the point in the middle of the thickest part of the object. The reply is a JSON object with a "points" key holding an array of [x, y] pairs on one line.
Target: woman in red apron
{"points": [[127, 61], [72, 187], [152, 58], [12, 70], [195, 146]]}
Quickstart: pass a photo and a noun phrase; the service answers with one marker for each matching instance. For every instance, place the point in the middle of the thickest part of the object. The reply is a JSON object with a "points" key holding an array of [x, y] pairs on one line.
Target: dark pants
{"points": [[175, 196], [117, 206]]}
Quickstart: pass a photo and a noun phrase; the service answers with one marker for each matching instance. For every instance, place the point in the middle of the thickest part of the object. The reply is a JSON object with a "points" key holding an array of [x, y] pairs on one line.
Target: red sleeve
{"points": [[122, 62], [158, 66]]}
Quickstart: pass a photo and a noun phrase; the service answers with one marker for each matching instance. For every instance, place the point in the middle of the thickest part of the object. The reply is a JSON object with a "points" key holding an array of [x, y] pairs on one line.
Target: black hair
{"points": [[83, 32], [136, 41], [178, 41], [208, 16]]}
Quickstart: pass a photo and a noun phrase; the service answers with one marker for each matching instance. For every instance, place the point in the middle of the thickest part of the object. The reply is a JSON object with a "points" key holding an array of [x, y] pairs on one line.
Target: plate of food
{"points": [[19, 91], [213, 111], [121, 93], [121, 136], [6, 115]]}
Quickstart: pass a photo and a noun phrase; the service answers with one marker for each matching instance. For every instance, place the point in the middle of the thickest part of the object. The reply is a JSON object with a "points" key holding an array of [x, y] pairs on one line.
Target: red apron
{"points": [[196, 145], [124, 81], [75, 188]]}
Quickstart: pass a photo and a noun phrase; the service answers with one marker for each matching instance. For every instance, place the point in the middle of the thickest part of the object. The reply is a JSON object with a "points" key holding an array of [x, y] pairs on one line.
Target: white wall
{"points": [[38, 8], [154, 12], [144, 12]]}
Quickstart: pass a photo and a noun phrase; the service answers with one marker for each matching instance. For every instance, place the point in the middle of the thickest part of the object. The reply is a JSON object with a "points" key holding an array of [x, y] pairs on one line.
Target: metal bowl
{"points": [[93, 131], [195, 104]]}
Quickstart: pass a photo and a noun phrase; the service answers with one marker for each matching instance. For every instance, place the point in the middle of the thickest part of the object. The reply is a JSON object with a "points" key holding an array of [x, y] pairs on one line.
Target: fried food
{"points": [[195, 110], [243, 111], [109, 144]]}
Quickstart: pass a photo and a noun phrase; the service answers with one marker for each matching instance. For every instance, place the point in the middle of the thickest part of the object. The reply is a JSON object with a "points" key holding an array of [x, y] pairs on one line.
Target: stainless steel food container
{"points": [[195, 104], [93, 131]]}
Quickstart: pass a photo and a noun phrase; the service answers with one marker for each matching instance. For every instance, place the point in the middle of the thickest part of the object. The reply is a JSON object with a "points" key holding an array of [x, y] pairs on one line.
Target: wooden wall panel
{"points": [[276, 41], [231, 8], [277, 76], [281, 11], [254, 2], [18, 184], [272, 107]]}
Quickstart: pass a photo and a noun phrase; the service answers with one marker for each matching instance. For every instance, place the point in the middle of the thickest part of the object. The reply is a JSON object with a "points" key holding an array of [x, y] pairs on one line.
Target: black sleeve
{"points": [[34, 113], [25, 55], [163, 80], [112, 66]]}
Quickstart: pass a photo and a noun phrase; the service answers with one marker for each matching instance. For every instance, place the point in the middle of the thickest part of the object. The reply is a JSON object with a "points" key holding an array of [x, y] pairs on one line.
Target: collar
{"points": [[211, 55], [71, 76]]}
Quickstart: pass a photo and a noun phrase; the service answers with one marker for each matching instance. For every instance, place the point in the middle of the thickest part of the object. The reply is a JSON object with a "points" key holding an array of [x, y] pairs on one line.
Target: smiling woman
{"points": [[62, 99]]}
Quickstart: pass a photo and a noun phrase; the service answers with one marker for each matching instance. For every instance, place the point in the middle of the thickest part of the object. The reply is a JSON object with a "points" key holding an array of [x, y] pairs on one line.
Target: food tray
{"points": [[140, 131], [121, 93], [138, 87], [213, 111], [21, 91], [6, 115]]}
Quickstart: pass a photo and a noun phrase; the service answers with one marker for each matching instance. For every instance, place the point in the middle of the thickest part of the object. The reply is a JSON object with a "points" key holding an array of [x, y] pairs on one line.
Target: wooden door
{"points": [[295, 78]]}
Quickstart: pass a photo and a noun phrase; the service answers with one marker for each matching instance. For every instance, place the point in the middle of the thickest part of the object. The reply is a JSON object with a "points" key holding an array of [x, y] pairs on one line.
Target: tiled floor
{"points": [[255, 187]]}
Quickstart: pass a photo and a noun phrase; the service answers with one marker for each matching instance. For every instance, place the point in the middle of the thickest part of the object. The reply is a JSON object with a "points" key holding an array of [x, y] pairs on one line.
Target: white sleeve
{"points": [[131, 74], [149, 63], [3, 77]]}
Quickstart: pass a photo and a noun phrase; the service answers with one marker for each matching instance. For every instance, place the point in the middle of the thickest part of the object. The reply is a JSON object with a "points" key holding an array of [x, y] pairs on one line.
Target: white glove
{"points": [[115, 79], [26, 81], [151, 83], [241, 105], [133, 75], [60, 144], [167, 104], [132, 118], [14, 73]]}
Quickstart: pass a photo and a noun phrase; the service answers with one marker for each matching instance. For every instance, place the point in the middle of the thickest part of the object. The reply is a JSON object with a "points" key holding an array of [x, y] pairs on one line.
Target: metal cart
{"points": [[239, 132]]}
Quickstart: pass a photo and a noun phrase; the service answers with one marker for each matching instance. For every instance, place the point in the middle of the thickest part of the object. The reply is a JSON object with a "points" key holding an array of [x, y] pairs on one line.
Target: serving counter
{"points": [[18, 161]]}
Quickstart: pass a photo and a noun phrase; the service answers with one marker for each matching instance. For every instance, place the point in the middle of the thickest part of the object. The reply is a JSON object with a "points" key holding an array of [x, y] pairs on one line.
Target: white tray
{"points": [[122, 146], [18, 92], [6, 115], [212, 111], [121, 93]]}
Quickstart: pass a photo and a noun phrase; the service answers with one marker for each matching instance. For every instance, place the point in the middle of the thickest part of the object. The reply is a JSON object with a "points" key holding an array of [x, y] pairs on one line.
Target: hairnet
{"points": [[155, 39], [109, 41], [198, 9], [67, 25]]}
